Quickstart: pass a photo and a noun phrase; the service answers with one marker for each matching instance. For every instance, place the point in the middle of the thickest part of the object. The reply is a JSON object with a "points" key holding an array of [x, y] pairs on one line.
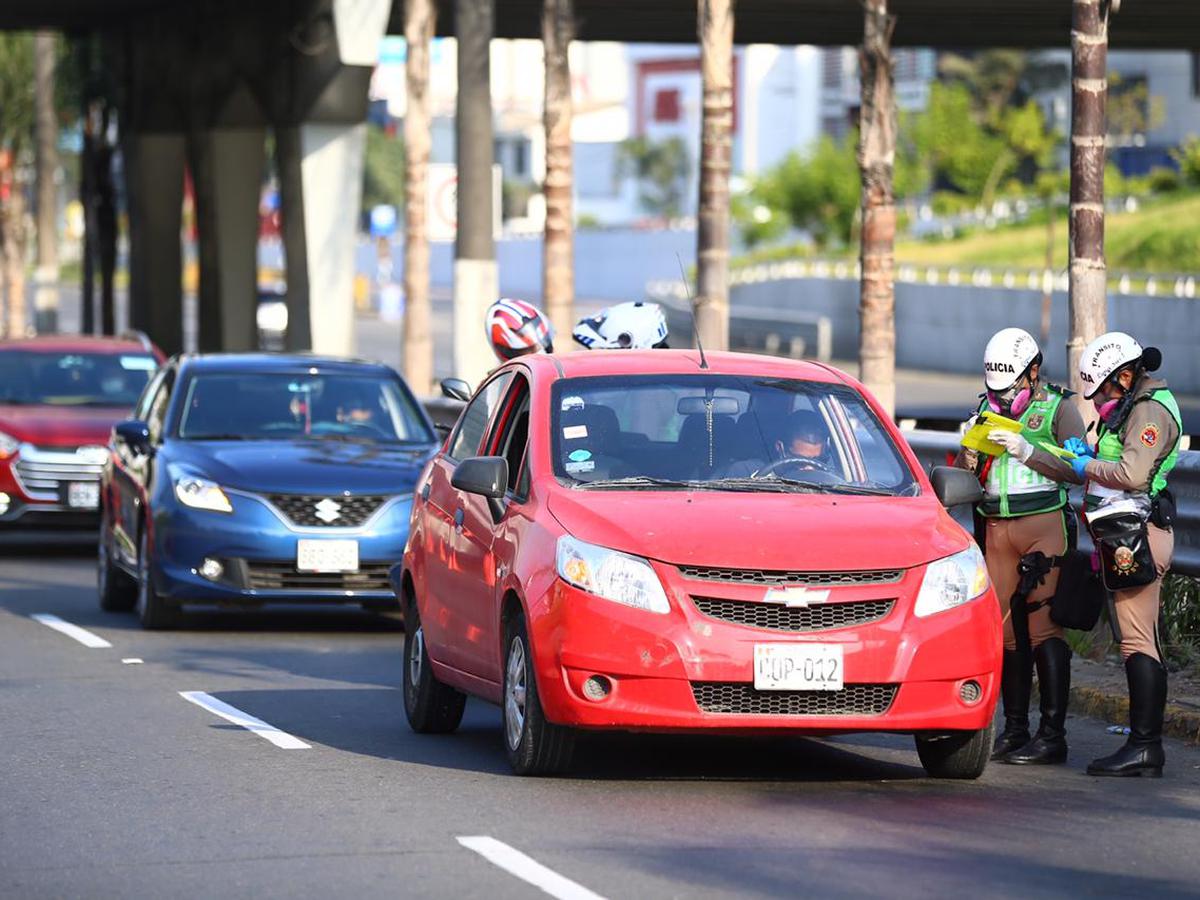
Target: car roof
{"points": [[582, 364], [281, 362], [77, 343]]}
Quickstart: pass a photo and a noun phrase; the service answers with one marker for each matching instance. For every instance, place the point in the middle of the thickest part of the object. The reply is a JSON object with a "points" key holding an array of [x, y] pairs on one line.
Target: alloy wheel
{"points": [[514, 699], [414, 659]]}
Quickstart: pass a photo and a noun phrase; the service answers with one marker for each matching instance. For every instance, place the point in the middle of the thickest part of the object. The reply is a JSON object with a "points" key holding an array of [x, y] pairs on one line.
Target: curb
{"points": [[1114, 707]]}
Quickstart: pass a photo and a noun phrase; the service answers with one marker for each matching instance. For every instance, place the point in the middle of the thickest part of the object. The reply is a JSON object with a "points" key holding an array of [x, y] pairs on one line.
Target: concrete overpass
{"points": [[203, 83]]}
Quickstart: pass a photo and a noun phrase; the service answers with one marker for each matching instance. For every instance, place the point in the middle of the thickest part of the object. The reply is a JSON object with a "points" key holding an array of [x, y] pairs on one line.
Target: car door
{"points": [[445, 632], [473, 583], [131, 469]]}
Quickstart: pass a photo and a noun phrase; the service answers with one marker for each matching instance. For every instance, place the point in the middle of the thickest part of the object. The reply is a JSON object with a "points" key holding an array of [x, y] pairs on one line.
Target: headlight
{"points": [[951, 582], [201, 494], [612, 575], [8, 445]]}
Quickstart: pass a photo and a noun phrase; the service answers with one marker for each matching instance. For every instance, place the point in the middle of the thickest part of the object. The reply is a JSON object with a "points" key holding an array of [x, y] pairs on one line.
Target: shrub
{"points": [[1163, 180]]}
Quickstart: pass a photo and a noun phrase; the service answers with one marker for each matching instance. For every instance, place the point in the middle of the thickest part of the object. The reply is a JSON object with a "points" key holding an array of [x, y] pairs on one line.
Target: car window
{"points": [[142, 410], [473, 422], [157, 414], [724, 432], [74, 378], [510, 433]]}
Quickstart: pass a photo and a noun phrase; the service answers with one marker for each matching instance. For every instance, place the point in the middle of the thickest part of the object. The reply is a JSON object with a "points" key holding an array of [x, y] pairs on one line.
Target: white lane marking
{"points": [[132, 661], [527, 869], [280, 739], [85, 637]]}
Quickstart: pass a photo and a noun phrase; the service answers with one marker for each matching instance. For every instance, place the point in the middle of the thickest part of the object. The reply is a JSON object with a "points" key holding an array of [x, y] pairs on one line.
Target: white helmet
{"points": [[626, 326], [1008, 354], [1105, 355]]}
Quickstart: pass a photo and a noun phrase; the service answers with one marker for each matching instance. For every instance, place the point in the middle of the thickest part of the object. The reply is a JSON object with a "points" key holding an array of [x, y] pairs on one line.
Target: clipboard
{"points": [[985, 422], [1060, 452]]}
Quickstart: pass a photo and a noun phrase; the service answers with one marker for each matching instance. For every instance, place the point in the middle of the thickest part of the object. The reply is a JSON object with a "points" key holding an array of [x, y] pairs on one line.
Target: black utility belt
{"points": [[1024, 504]]}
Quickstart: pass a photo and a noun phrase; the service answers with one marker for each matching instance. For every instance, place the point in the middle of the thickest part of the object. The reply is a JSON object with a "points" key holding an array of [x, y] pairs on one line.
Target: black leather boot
{"points": [[1015, 686], [1143, 751], [1049, 745]]}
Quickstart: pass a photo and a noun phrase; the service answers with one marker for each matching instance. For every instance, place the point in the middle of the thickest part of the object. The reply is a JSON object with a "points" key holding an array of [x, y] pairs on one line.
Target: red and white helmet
{"points": [[515, 328]]}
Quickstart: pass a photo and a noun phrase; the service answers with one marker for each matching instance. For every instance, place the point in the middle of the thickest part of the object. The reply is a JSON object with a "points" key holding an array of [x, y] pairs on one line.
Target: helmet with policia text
{"points": [[1009, 355], [515, 328], [1108, 355], [626, 326]]}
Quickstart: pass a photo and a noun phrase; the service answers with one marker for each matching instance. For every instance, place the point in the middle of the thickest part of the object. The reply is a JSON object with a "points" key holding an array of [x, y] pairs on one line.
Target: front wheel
{"points": [[152, 610], [535, 746], [117, 592], [431, 706], [961, 754]]}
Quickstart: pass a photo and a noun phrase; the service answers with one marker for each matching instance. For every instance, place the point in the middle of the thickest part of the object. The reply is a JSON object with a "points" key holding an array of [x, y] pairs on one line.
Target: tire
{"points": [[431, 706], [961, 754], [534, 745], [152, 610], [117, 591]]}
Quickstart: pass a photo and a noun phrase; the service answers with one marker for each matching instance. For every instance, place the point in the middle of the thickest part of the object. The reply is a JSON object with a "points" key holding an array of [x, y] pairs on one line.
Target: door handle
{"points": [[458, 520]]}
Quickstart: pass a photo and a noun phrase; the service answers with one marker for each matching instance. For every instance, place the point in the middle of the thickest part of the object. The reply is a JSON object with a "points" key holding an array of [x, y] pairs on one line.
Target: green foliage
{"points": [[958, 151], [514, 198], [758, 222], [1181, 614], [817, 192], [1162, 180], [661, 169], [16, 89], [383, 170], [1188, 158]]}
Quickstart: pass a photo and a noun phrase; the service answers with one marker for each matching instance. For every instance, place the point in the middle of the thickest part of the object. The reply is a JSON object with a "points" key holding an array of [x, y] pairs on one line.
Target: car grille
{"points": [[42, 472], [305, 510], [819, 617], [741, 698], [282, 576], [767, 576]]}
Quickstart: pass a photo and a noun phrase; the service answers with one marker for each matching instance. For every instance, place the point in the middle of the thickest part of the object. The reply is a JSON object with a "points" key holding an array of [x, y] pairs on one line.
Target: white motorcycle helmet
{"points": [[1107, 355], [1009, 355], [626, 326]]}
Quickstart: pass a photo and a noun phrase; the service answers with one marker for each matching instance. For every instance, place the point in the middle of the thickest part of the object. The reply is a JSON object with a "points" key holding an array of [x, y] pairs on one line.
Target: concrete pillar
{"points": [[154, 164], [227, 168], [476, 284]]}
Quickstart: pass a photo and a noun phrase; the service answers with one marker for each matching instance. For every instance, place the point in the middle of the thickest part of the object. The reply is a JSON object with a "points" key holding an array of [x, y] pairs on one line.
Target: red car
{"points": [[649, 541], [59, 399]]}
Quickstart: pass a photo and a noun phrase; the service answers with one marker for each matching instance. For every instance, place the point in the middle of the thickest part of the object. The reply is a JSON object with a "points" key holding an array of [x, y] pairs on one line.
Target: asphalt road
{"points": [[112, 784]]}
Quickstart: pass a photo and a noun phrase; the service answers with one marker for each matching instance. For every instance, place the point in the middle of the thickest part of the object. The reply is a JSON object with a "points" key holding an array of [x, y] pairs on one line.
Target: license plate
{"points": [[83, 495], [798, 667], [327, 556]]}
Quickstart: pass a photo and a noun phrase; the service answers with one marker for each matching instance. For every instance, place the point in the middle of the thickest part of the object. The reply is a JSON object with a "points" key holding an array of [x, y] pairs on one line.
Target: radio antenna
{"points": [[691, 306]]}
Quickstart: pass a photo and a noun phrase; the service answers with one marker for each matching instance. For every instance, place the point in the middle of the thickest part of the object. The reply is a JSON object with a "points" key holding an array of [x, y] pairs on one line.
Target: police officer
{"points": [[1024, 510], [1139, 432]]}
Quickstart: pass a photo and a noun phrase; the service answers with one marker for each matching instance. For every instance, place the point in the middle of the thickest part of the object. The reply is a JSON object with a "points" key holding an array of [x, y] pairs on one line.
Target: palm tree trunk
{"points": [[876, 159], [558, 264], [46, 136], [419, 23], [716, 144], [1089, 94]]}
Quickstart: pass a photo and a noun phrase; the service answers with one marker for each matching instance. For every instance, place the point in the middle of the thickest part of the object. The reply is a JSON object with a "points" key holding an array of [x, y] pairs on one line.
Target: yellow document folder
{"points": [[976, 436]]}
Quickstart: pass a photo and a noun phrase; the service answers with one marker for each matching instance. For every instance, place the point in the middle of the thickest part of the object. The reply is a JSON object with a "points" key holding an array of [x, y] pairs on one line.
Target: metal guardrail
{"points": [[932, 449]]}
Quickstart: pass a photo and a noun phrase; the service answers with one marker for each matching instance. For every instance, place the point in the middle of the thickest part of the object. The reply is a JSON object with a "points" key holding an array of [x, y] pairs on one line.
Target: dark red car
{"points": [[59, 399]]}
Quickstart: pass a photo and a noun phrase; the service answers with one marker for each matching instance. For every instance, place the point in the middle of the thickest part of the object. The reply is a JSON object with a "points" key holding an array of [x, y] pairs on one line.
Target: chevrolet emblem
{"points": [[795, 598]]}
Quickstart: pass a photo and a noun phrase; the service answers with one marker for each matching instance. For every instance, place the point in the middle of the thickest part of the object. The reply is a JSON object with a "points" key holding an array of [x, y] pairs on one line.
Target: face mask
{"points": [[1106, 408], [1012, 402]]}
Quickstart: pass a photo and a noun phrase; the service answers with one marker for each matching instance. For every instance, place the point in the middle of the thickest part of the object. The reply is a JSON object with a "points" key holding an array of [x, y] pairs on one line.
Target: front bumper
{"points": [[44, 501], [257, 549], [687, 671]]}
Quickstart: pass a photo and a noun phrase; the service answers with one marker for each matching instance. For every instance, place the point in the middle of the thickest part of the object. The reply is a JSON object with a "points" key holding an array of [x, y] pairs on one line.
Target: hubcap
{"points": [[416, 652], [514, 695]]}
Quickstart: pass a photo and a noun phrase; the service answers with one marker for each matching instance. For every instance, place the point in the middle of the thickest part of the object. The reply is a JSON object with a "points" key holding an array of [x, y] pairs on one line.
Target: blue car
{"points": [[260, 478]]}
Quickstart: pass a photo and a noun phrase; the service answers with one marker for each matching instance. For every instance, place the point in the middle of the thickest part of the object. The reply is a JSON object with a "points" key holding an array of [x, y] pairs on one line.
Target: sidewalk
{"points": [[1099, 690]]}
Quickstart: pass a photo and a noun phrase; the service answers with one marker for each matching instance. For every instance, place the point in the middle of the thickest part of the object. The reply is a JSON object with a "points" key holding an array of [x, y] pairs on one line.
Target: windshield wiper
{"points": [[635, 481], [346, 438], [860, 489], [771, 484]]}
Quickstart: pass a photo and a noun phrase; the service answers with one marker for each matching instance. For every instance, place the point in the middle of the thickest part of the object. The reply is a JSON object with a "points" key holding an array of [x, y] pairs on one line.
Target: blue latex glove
{"points": [[1079, 464], [1079, 447]]}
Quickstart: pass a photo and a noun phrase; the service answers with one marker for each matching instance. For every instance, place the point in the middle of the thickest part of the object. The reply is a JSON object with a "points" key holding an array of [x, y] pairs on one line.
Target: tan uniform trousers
{"points": [[1007, 541], [1137, 608]]}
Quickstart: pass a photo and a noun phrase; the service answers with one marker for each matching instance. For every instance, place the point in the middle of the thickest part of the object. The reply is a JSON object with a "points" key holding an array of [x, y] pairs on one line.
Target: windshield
{"points": [[722, 432], [281, 406], [33, 377]]}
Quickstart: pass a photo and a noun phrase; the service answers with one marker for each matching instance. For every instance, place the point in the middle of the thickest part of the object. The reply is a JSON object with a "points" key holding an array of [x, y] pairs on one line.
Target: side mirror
{"points": [[486, 476], [134, 434], [954, 486], [456, 389]]}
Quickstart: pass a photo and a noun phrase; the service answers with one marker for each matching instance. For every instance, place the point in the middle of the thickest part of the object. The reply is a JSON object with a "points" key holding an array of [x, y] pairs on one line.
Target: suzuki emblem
{"points": [[796, 598], [328, 510]]}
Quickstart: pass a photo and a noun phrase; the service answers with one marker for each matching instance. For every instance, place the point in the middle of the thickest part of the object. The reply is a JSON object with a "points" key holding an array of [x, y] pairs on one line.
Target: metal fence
{"points": [[933, 448]]}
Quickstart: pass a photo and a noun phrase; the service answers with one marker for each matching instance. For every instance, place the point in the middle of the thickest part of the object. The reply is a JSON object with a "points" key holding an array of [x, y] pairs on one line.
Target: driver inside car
{"points": [[805, 438]]}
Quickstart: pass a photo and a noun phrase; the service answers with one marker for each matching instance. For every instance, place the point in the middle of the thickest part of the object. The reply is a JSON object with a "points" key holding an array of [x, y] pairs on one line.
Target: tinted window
{"points": [[74, 379], [279, 406], [723, 432], [157, 414], [511, 433], [475, 418]]}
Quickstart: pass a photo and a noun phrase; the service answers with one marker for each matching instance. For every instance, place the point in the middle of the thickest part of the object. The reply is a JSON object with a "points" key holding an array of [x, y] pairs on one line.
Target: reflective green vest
{"points": [[1013, 489], [1112, 443]]}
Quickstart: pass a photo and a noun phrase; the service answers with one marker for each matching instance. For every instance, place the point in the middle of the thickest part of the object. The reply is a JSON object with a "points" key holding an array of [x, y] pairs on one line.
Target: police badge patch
{"points": [[1150, 435], [1035, 422], [1124, 561]]}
